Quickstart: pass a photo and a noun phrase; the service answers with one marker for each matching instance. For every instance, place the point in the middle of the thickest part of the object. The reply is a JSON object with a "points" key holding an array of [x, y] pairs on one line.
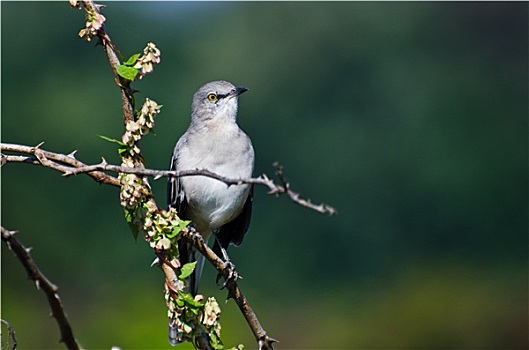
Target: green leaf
{"points": [[179, 302], [189, 300], [126, 72], [132, 60], [112, 140], [183, 224], [187, 270], [178, 228], [122, 149], [214, 341]]}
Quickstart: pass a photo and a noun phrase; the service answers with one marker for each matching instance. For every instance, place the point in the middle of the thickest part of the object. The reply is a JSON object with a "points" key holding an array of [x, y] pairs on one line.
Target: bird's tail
{"points": [[187, 254]]}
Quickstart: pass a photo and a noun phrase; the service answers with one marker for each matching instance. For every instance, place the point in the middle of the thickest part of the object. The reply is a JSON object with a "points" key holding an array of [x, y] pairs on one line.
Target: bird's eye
{"points": [[212, 97]]}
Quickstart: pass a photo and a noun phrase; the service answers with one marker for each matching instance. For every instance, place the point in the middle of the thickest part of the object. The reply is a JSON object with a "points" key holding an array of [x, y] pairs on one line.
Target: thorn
{"points": [[265, 342], [157, 177], [272, 340], [39, 145], [29, 249], [72, 154], [9, 233], [155, 262], [103, 161], [37, 284]]}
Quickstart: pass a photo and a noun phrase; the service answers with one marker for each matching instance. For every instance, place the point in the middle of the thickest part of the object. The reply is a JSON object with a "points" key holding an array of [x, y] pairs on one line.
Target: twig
{"points": [[41, 282], [69, 166], [295, 197], [11, 342], [56, 161]]}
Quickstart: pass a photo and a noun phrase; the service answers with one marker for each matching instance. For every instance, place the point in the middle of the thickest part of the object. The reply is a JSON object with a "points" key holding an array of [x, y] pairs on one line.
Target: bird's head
{"points": [[216, 100]]}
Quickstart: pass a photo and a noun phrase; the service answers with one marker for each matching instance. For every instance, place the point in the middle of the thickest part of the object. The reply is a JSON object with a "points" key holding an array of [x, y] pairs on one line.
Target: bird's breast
{"points": [[230, 154], [212, 202]]}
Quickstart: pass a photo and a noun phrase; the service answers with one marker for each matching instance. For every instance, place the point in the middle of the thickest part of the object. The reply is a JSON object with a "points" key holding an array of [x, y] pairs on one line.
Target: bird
{"points": [[215, 142]]}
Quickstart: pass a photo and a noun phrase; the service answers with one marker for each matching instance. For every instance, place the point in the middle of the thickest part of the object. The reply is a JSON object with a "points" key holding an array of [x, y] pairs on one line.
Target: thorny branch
{"points": [[61, 162], [265, 342], [11, 342], [41, 282], [68, 165]]}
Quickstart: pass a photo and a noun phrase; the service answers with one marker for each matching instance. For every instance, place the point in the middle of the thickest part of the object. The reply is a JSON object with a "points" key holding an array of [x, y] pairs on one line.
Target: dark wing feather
{"points": [[175, 193], [176, 199]]}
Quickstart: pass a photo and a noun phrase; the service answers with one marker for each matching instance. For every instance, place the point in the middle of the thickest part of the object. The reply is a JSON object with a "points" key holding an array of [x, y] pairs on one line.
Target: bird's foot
{"points": [[232, 274], [193, 234]]}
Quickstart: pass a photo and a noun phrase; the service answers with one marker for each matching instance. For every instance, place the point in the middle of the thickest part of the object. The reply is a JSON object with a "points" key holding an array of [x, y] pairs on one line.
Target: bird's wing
{"points": [[235, 230], [176, 197]]}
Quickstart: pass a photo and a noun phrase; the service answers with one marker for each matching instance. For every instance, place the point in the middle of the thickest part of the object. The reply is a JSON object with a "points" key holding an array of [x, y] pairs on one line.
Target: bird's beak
{"points": [[238, 90]]}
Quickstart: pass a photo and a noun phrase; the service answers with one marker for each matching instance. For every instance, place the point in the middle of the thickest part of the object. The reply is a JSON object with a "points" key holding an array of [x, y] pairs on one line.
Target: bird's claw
{"points": [[232, 274]]}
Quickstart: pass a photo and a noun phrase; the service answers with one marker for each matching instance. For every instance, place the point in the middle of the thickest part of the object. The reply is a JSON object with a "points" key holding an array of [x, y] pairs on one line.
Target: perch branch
{"points": [[68, 165], [234, 292], [41, 282]]}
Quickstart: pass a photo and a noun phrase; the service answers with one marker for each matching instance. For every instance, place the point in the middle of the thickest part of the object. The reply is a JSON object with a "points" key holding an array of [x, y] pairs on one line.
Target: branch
{"points": [[60, 162], [68, 165], [11, 342], [264, 341], [41, 282], [110, 48]]}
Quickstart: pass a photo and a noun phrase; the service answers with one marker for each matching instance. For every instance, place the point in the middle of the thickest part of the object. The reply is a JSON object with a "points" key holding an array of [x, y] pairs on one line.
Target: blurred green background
{"points": [[409, 118]]}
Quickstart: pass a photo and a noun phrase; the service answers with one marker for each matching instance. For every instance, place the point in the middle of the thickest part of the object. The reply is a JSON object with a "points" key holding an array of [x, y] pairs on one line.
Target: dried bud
{"points": [[211, 312], [163, 244], [75, 4], [94, 22]]}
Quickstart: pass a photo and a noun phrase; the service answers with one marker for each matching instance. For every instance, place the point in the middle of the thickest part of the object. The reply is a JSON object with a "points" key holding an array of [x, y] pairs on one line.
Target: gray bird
{"points": [[214, 142]]}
